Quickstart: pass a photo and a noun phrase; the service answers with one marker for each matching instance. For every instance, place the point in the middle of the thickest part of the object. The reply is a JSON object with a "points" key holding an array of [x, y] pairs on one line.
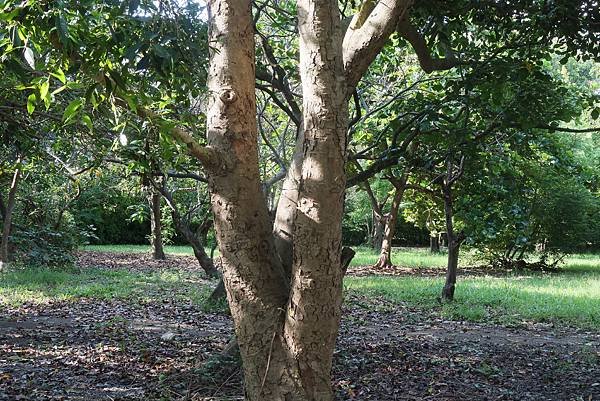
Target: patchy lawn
{"points": [[124, 327]]}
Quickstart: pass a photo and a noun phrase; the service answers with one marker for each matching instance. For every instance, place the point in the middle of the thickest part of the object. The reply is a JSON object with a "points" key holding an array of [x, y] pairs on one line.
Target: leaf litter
{"points": [[168, 348]]}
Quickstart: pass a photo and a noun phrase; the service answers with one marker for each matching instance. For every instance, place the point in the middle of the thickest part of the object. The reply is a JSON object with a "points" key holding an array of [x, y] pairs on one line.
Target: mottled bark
{"points": [[360, 45], [8, 214], [252, 273], [283, 226], [391, 219], [313, 312], [286, 320]]}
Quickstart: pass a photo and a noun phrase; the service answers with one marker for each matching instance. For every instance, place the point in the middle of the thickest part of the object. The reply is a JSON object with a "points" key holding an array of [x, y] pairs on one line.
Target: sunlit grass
{"points": [[570, 297], [405, 257]]}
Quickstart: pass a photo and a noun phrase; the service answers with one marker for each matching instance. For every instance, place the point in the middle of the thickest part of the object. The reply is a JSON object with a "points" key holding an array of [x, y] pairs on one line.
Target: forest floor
{"points": [[128, 328]]}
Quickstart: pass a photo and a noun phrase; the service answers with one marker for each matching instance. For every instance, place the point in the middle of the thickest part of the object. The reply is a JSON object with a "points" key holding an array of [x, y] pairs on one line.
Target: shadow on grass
{"points": [[39, 285]]}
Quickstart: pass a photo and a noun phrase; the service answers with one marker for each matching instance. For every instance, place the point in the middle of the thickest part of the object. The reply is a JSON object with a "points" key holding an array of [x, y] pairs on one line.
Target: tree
{"points": [[284, 289]]}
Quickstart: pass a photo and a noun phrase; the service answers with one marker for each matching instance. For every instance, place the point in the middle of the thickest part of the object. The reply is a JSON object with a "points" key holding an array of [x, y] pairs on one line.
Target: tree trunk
{"points": [[434, 243], [454, 241], [156, 241], [283, 226], [385, 255], [8, 213], [449, 286], [314, 308], [252, 273], [286, 331], [182, 228], [379, 224]]}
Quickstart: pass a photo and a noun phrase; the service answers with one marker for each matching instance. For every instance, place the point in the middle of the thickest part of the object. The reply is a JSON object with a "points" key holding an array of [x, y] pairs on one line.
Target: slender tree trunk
{"points": [[283, 226], [454, 239], [8, 213], [2, 208], [182, 228], [156, 241], [385, 254], [434, 243], [449, 286]]}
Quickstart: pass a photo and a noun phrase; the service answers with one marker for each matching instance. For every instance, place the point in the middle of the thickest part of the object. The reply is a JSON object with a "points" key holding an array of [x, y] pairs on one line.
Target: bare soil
{"points": [[94, 349]]}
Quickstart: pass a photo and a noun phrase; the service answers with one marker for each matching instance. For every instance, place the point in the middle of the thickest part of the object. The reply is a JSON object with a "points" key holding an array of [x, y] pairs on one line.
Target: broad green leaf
{"points": [[29, 57], [87, 121], [31, 100], [72, 109], [60, 75], [44, 89]]}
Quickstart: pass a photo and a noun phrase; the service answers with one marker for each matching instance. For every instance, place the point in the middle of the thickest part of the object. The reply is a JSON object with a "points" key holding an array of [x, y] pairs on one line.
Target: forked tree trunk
{"points": [[391, 220], [8, 213], [286, 330], [156, 241], [182, 228]]}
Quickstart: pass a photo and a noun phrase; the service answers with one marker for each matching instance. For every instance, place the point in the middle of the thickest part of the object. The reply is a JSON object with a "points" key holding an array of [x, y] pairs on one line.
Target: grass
{"points": [[409, 257], [37, 285], [169, 249], [570, 297]]}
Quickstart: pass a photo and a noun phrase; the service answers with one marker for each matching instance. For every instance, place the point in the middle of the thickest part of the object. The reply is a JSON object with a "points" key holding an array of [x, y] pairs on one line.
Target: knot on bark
{"points": [[229, 96]]}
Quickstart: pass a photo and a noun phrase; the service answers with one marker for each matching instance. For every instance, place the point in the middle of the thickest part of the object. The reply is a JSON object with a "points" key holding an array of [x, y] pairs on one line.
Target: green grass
{"points": [[570, 297], [38, 285], [169, 249], [406, 257]]}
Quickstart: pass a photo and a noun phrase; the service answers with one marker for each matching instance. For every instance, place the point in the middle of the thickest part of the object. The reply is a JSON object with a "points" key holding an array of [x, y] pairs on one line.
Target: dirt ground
{"points": [[133, 350]]}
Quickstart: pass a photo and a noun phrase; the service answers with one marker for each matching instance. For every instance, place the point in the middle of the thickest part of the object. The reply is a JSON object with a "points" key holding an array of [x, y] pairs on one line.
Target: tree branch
{"points": [[566, 129], [428, 64], [363, 42], [206, 155]]}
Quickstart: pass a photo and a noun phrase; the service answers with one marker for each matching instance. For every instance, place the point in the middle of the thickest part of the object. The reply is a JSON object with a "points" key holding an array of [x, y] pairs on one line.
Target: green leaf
{"points": [[29, 57], [60, 75], [87, 121], [72, 109], [44, 87], [58, 90], [596, 113], [31, 100], [63, 29]]}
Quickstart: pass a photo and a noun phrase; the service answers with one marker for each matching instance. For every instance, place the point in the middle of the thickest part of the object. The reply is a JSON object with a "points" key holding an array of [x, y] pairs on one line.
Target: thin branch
{"points": [[206, 155]]}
